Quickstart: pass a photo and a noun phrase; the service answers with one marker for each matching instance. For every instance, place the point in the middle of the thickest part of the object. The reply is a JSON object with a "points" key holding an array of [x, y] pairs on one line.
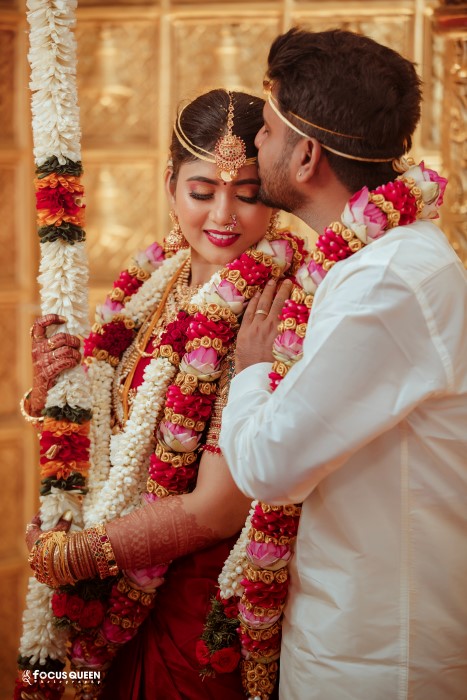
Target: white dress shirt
{"points": [[369, 430]]}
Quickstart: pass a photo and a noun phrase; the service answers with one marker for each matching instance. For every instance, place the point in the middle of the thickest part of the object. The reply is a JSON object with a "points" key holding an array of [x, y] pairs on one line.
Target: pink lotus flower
{"points": [[149, 578], [93, 660], [363, 217], [106, 311], [268, 555], [432, 187], [116, 634], [288, 346], [229, 293], [281, 252], [256, 621], [178, 438], [202, 362], [151, 258], [309, 276]]}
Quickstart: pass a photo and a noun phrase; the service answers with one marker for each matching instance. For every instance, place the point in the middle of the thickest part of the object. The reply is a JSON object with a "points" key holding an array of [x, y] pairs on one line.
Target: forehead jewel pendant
{"points": [[230, 150]]}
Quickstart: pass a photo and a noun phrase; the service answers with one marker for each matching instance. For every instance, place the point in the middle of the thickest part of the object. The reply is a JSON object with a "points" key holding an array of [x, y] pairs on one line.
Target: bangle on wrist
{"points": [[24, 407], [101, 550]]}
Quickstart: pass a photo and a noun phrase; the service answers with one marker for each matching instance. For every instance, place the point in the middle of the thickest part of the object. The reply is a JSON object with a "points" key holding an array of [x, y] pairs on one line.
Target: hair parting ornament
{"points": [[229, 152], [268, 86]]}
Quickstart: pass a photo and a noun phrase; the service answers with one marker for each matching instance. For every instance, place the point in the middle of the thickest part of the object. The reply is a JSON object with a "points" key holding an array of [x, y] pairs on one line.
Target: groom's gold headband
{"points": [[268, 86], [229, 152]]}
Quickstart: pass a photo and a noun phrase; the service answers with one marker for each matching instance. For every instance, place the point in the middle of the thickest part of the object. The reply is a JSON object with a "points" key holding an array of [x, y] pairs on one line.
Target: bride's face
{"points": [[220, 220]]}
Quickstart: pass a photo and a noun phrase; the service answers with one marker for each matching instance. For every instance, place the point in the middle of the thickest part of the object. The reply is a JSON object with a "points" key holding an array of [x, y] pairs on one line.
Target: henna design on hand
{"points": [[50, 357], [157, 533]]}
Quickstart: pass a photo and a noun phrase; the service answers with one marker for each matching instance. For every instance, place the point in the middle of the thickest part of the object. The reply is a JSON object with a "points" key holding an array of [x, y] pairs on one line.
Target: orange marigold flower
{"points": [[64, 427], [62, 470]]}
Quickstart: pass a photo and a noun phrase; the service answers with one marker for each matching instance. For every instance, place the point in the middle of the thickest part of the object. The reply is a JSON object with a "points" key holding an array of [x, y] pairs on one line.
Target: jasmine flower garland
{"points": [[63, 279]]}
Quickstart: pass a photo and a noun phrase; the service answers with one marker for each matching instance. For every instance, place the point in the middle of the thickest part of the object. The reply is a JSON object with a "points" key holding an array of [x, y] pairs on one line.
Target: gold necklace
{"points": [[183, 291]]}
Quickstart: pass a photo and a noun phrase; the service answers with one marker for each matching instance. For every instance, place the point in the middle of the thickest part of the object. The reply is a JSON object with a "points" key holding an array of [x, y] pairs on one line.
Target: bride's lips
{"points": [[222, 239]]}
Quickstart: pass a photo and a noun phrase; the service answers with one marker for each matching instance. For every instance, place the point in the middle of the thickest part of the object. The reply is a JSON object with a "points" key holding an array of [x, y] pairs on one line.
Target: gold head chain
{"points": [[229, 152], [268, 87]]}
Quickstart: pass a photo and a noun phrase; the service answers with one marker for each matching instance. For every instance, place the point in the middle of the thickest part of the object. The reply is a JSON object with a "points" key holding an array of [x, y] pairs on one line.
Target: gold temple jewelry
{"points": [[230, 150], [141, 343], [175, 238], [274, 106], [101, 550], [24, 405]]}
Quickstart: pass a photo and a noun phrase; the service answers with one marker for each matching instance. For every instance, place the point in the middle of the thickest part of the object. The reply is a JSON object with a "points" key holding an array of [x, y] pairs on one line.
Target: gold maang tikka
{"points": [[229, 152]]}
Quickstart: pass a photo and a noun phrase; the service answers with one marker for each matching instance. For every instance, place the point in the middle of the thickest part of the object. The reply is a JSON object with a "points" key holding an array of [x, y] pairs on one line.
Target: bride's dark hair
{"points": [[204, 121]]}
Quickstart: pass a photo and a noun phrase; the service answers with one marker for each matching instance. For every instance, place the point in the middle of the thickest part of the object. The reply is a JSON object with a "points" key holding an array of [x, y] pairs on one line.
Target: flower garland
{"points": [[253, 584], [98, 619], [63, 287]]}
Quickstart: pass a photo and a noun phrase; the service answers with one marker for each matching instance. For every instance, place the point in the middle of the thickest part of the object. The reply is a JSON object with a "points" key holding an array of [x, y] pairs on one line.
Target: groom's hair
{"points": [[347, 83]]}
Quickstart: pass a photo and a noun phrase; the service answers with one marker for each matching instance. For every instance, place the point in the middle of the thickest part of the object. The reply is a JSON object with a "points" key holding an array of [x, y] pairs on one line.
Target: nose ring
{"points": [[230, 227]]}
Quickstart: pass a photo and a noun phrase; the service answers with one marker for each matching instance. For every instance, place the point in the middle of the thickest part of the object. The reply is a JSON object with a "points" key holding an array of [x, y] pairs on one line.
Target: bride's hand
{"points": [[259, 325], [50, 357], [33, 529]]}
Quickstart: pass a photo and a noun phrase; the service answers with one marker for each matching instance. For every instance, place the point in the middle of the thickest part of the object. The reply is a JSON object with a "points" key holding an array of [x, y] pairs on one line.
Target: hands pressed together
{"points": [[259, 326], [50, 357]]}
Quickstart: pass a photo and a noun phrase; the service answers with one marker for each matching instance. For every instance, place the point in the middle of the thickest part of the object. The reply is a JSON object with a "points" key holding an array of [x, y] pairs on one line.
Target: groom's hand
{"points": [[259, 326]]}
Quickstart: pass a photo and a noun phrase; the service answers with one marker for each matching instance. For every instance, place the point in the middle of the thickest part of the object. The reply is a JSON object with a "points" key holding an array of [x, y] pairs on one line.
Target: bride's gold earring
{"points": [[271, 233], [175, 240]]}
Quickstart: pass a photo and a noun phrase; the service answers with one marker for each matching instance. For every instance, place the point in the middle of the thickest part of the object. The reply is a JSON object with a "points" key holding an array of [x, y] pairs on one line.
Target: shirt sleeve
{"points": [[368, 360]]}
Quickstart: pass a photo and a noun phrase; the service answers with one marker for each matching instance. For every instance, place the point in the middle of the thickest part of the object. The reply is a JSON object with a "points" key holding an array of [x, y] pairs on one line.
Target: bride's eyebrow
{"points": [[200, 178]]}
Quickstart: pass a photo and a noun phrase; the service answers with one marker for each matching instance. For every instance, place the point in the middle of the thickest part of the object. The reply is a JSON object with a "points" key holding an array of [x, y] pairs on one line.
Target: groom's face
{"points": [[274, 149]]}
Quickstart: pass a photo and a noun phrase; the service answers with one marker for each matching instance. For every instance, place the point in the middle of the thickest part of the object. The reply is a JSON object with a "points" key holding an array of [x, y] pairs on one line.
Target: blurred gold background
{"points": [[137, 60]]}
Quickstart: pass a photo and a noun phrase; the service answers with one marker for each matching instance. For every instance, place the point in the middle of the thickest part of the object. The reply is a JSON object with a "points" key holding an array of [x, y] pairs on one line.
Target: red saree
{"points": [[160, 662]]}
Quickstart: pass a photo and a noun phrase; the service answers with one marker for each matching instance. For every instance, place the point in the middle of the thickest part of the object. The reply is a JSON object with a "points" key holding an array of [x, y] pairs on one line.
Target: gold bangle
{"points": [[101, 550], [46, 559], [36, 421]]}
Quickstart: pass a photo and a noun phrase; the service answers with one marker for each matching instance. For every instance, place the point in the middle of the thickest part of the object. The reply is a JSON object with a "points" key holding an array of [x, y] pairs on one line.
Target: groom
{"points": [[369, 428]]}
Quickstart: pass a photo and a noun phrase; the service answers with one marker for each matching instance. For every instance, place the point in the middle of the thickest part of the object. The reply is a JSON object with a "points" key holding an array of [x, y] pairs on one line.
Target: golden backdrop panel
{"points": [[7, 84], [455, 142], [13, 459], [8, 233], [12, 591], [117, 3], [118, 82], [223, 51], [433, 87], [392, 27], [8, 358], [122, 214]]}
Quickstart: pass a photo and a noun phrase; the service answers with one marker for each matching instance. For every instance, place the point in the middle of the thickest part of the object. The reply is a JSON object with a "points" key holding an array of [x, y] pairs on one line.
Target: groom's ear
{"points": [[308, 154]]}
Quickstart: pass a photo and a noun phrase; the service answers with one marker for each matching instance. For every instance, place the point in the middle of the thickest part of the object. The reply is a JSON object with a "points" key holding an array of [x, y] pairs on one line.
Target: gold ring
{"points": [[53, 354], [34, 337], [261, 311], [50, 343]]}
